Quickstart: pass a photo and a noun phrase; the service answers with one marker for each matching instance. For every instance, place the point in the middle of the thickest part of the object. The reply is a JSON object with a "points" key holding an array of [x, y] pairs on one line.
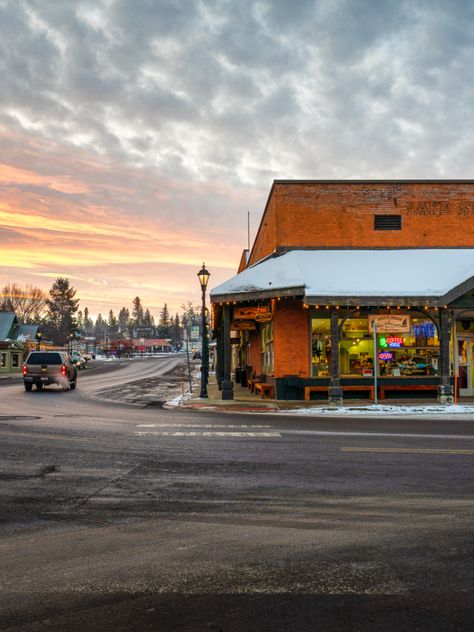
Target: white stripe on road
{"points": [[206, 434], [252, 426]]}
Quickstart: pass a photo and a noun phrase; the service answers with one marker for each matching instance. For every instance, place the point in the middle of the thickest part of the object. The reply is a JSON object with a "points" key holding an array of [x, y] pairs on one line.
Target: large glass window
{"points": [[399, 353], [15, 360], [3, 360], [267, 348], [320, 346]]}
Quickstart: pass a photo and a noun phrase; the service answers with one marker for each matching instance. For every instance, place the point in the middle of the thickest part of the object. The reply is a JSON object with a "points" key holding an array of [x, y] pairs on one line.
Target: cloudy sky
{"points": [[135, 135]]}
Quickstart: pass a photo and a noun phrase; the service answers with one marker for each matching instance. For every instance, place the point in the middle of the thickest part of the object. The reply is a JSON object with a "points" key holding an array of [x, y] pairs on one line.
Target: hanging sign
{"points": [[243, 325], [396, 323], [263, 318], [249, 312]]}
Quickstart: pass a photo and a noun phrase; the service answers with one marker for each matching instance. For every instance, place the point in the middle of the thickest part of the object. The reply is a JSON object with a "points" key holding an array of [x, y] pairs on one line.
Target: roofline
{"points": [[374, 181]]}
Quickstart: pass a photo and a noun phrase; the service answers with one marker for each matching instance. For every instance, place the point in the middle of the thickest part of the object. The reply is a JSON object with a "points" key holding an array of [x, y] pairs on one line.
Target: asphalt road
{"points": [[120, 518]]}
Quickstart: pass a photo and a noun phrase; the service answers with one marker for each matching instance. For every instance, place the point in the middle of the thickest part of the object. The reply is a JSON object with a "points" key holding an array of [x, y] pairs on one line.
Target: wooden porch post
{"points": [[335, 390], [227, 384], [445, 388]]}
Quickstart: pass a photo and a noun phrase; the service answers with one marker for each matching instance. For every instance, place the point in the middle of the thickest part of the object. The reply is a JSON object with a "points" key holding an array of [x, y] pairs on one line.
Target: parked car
{"points": [[78, 360], [49, 367]]}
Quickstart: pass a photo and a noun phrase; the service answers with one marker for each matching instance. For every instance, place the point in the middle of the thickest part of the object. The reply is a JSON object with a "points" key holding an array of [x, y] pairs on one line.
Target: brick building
{"points": [[381, 271]]}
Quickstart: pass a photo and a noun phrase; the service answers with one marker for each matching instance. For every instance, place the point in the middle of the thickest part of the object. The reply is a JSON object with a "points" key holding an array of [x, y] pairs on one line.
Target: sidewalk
{"points": [[245, 401], [16, 375]]}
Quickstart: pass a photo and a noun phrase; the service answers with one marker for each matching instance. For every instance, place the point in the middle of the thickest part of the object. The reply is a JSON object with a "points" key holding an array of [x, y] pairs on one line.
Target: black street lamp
{"points": [[39, 335], [204, 275], [69, 343]]}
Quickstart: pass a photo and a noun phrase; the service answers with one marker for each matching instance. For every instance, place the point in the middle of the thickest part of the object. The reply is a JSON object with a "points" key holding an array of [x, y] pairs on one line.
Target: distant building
{"points": [[350, 277], [16, 340]]}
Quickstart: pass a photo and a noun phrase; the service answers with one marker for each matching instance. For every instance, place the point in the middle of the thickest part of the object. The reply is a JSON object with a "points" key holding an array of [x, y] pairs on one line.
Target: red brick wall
{"points": [[341, 215], [291, 336], [254, 355]]}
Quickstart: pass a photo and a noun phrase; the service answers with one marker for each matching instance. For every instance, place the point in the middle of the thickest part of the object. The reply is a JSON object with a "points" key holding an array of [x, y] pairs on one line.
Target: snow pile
{"points": [[178, 400], [380, 409]]}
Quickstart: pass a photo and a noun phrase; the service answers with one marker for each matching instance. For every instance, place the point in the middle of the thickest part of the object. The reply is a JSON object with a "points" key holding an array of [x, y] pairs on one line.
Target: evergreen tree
{"points": [[176, 340], [62, 308], [137, 312], [112, 325], [164, 323], [87, 324], [80, 321], [124, 322], [100, 327]]}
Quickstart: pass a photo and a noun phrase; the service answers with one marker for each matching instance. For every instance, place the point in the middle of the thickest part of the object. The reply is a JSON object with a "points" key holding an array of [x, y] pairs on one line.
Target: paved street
{"points": [[126, 518]]}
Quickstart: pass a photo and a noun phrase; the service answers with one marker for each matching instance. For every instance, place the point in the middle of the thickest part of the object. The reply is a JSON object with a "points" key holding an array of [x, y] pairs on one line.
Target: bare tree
{"points": [[28, 303]]}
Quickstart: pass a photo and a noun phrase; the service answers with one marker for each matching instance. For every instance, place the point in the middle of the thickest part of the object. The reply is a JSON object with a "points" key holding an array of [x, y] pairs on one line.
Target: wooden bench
{"points": [[263, 389], [313, 389], [406, 387], [352, 387]]}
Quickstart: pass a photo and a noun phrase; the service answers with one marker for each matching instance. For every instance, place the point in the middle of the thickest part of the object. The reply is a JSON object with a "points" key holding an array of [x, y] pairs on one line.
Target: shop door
{"points": [[466, 367]]}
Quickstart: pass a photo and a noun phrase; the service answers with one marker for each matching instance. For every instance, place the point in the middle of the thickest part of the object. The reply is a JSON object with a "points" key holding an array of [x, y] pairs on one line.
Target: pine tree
{"points": [[176, 334], [87, 323], [100, 327], [164, 323], [137, 312], [112, 325], [124, 322], [62, 308]]}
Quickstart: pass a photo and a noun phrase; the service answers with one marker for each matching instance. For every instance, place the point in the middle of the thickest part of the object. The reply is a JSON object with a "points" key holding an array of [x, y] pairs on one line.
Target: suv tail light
{"points": [[24, 369], [63, 369]]}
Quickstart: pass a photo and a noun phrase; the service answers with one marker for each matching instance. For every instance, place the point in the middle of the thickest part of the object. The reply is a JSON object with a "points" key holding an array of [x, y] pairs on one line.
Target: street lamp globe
{"points": [[203, 275]]}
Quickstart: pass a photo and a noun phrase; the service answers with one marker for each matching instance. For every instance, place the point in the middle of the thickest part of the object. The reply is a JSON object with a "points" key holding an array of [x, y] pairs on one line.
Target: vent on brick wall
{"points": [[387, 222]]}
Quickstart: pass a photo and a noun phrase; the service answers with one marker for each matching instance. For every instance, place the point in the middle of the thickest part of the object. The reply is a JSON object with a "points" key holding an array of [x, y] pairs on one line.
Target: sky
{"points": [[136, 135]]}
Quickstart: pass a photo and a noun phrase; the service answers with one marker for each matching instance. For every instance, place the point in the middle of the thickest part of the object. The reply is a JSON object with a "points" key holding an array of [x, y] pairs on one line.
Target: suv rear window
{"points": [[47, 357]]}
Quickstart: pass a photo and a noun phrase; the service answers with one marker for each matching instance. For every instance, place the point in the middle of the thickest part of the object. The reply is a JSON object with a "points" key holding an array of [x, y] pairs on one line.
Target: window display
{"points": [[414, 351]]}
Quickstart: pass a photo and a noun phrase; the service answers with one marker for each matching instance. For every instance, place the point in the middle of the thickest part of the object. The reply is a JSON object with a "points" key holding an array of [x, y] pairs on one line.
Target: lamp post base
{"points": [[227, 389]]}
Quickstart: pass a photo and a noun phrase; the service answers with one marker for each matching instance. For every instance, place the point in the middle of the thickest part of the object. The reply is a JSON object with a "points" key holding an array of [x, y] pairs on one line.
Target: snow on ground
{"points": [[378, 410]]}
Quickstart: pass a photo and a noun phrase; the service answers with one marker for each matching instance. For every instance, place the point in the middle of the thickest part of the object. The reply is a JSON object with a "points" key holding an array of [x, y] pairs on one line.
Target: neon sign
{"points": [[394, 341], [386, 356]]}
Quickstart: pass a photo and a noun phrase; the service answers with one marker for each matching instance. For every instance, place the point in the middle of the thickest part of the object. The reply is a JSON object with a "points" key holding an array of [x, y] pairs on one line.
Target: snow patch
{"points": [[380, 409]]}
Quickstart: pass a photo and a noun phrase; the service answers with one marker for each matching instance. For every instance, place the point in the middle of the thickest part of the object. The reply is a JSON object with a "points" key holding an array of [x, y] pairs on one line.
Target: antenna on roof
{"points": [[248, 231]]}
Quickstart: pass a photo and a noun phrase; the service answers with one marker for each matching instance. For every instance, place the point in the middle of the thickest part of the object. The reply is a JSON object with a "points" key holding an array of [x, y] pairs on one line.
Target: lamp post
{"points": [[69, 345], [203, 276], [39, 335]]}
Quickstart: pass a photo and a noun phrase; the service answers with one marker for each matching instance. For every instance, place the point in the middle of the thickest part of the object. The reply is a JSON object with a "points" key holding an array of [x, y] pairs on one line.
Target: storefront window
{"points": [[15, 360], [412, 352], [320, 346], [3, 360], [267, 348]]}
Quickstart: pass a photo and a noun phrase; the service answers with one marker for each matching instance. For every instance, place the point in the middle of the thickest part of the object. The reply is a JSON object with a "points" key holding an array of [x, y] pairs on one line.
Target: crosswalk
{"points": [[243, 431]]}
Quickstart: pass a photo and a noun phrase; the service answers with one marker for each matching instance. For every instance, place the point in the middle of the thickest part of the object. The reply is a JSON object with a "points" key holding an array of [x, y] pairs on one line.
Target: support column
{"points": [[227, 384], [335, 390], [220, 356], [445, 388]]}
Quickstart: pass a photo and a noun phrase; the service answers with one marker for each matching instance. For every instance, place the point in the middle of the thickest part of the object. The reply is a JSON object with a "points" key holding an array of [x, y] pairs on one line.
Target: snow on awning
{"points": [[353, 273]]}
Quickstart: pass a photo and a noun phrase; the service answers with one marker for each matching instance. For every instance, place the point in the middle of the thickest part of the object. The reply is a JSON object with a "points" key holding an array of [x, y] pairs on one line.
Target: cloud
{"points": [[136, 131]]}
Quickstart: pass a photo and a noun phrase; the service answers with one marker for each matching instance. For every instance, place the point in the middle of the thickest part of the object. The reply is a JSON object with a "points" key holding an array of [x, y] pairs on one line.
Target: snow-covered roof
{"points": [[356, 273]]}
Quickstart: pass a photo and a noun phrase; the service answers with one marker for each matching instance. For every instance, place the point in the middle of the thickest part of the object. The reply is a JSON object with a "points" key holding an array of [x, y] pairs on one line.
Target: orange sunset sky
{"points": [[136, 135]]}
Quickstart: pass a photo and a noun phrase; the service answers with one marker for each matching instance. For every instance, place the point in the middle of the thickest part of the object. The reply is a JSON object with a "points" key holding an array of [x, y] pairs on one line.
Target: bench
{"points": [[352, 387], [406, 387], [263, 389]]}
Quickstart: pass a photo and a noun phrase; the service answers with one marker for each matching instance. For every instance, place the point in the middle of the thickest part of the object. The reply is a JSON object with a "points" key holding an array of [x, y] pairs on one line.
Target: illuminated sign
{"points": [[386, 356], [395, 342], [390, 323], [249, 312]]}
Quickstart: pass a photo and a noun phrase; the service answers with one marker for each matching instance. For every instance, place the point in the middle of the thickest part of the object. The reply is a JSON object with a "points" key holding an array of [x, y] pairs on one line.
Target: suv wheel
{"points": [[28, 386]]}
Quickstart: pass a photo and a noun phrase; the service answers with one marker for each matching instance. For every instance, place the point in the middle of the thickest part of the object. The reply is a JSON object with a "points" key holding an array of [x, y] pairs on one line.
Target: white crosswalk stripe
{"points": [[206, 433], [205, 430]]}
